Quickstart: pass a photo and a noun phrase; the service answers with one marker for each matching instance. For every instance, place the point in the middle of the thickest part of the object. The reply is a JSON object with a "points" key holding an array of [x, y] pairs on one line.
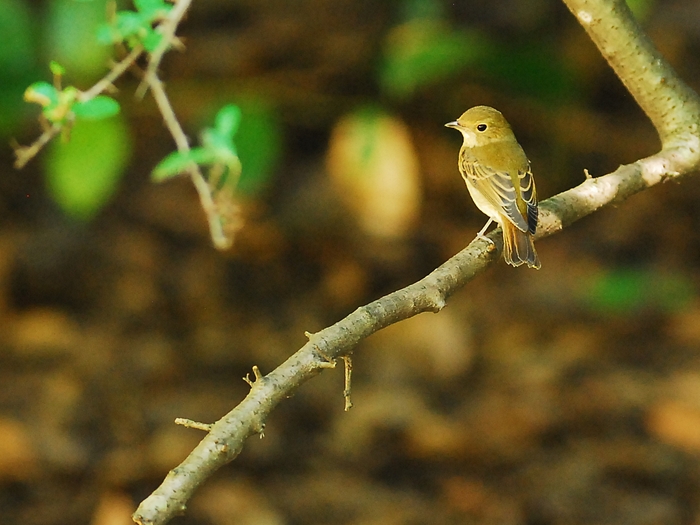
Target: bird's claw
{"points": [[484, 238]]}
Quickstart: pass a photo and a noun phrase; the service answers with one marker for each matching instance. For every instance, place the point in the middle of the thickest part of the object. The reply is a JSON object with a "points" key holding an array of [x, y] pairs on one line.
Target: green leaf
{"points": [[83, 173], [57, 69], [108, 34], [130, 23], [202, 156], [177, 162], [152, 40], [219, 144], [41, 93], [97, 108], [171, 166], [228, 119], [145, 6]]}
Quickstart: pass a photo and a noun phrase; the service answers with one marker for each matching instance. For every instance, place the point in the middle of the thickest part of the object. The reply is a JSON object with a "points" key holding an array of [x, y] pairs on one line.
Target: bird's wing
{"points": [[529, 194], [497, 188]]}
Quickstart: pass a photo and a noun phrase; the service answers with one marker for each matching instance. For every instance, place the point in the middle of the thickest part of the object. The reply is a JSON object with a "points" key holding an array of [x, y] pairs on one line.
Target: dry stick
{"points": [[673, 108], [347, 391]]}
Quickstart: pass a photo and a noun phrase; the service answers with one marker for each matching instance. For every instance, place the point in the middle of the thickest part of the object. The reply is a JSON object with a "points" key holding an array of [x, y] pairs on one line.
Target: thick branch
{"points": [[674, 110], [225, 440], [670, 104]]}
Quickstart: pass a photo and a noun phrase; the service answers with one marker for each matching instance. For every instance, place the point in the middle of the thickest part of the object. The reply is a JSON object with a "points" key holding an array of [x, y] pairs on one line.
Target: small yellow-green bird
{"points": [[498, 177]]}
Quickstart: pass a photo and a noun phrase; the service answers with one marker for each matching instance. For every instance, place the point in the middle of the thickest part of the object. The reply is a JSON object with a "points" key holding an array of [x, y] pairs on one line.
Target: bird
{"points": [[499, 179]]}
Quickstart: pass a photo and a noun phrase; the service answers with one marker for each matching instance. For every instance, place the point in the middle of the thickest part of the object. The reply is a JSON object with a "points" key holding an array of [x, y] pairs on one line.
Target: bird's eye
{"points": [[481, 127]]}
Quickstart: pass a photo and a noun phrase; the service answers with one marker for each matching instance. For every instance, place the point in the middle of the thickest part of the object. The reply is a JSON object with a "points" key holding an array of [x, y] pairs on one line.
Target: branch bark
{"points": [[670, 104], [673, 108]]}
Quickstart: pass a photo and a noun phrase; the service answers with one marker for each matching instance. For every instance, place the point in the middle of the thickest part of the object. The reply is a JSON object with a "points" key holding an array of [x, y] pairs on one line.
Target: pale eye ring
{"points": [[481, 127]]}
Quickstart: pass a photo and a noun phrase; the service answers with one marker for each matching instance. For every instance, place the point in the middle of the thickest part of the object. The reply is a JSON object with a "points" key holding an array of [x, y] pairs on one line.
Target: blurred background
{"points": [[569, 395]]}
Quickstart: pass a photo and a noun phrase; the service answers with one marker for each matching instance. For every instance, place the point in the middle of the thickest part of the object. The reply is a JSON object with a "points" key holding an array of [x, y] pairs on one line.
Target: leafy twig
{"points": [[167, 28], [61, 106], [24, 154], [221, 238], [114, 73]]}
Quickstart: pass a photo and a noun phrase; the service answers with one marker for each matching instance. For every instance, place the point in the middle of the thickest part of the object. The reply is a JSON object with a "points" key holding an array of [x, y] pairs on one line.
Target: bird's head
{"points": [[482, 125]]}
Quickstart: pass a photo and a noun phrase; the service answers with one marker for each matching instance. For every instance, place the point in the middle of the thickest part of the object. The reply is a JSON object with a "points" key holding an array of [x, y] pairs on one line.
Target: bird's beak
{"points": [[453, 124]]}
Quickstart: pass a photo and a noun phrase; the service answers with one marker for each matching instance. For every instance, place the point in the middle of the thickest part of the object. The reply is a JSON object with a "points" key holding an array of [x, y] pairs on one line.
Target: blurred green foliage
{"points": [[532, 69], [136, 27], [424, 50], [83, 173], [70, 37], [259, 143], [18, 59], [630, 290], [97, 108]]}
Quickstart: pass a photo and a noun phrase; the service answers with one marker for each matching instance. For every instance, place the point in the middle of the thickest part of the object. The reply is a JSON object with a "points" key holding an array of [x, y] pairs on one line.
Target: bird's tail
{"points": [[518, 247]]}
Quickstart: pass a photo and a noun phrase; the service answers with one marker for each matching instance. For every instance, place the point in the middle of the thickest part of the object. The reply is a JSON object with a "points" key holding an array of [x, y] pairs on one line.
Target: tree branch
{"points": [[115, 72], [221, 239], [167, 28], [670, 104], [674, 110]]}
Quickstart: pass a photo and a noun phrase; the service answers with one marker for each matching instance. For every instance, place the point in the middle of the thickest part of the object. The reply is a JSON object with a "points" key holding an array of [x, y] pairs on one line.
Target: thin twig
{"points": [[26, 153], [347, 391], [188, 423], [220, 226], [216, 230], [108, 81], [167, 29]]}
